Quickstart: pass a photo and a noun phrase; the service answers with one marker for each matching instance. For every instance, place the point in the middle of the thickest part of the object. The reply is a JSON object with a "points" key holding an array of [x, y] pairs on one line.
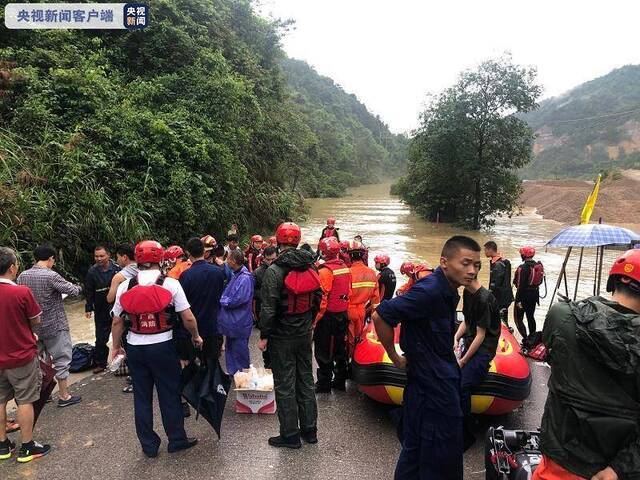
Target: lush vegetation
{"points": [[350, 145], [183, 128], [577, 130], [464, 158]]}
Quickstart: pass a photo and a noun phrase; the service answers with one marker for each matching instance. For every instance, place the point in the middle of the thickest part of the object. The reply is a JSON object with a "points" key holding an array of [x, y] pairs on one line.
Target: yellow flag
{"points": [[589, 205]]}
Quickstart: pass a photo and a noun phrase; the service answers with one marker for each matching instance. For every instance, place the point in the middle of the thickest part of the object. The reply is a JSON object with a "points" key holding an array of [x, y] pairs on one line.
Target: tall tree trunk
{"points": [[477, 194], [476, 205]]}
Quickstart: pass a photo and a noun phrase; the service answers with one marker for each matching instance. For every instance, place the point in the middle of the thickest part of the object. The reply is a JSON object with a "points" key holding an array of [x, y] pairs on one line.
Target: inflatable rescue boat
{"points": [[506, 387]]}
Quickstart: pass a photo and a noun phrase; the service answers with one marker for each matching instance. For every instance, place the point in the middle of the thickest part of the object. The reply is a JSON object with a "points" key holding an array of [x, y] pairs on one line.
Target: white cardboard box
{"points": [[255, 401]]}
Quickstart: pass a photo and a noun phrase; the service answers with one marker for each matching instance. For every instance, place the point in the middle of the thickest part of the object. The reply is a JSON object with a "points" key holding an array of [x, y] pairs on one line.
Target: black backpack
{"points": [[81, 357]]}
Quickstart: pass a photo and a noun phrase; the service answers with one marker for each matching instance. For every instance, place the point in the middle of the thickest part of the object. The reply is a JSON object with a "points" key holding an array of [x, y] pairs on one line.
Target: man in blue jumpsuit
{"points": [[432, 416]]}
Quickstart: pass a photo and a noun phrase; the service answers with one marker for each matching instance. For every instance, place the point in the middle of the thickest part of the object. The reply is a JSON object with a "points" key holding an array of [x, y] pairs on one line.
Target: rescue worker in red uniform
{"points": [[175, 261], [406, 269], [253, 253], [416, 273], [332, 321], [344, 253], [330, 230], [364, 294]]}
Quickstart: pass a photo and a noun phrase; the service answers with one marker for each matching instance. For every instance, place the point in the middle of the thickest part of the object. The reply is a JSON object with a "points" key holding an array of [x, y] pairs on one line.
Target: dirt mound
{"points": [[562, 200]]}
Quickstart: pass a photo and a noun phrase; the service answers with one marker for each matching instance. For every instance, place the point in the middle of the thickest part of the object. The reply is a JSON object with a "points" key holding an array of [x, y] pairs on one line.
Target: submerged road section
{"points": [[357, 440]]}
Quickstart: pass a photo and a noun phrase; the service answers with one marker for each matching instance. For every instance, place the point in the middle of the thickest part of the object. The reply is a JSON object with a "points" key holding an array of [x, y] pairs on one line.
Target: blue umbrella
{"points": [[593, 235]]}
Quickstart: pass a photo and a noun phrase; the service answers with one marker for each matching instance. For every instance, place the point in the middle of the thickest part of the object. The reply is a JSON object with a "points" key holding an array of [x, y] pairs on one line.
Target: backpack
{"points": [[536, 275], [81, 357], [300, 287], [148, 307]]}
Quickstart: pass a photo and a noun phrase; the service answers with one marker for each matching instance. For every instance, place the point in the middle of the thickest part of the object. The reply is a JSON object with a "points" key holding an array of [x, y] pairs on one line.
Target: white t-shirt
{"points": [[178, 300]]}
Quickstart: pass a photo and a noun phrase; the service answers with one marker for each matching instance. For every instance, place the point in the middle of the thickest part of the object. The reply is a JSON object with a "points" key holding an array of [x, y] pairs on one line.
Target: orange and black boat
{"points": [[506, 387]]}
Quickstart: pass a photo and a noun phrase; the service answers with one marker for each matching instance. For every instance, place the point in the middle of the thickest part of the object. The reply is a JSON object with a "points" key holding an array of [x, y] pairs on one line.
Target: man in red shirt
{"points": [[20, 376]]}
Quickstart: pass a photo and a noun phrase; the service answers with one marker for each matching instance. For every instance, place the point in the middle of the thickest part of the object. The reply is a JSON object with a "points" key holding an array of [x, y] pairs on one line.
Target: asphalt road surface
{"points": [[357, 440]]}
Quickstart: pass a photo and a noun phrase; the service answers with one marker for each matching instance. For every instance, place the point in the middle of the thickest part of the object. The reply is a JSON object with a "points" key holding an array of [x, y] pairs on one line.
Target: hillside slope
{"points": [[352, 144], [562, 200], [592, 127]]}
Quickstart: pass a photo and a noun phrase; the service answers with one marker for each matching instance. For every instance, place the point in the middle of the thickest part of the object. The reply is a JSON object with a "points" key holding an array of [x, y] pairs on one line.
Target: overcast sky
{"points": [[392, 53]]}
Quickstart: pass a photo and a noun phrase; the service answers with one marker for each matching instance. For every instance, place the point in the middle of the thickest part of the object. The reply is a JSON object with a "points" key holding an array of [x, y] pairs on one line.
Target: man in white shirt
{"points": [[150, 301]]}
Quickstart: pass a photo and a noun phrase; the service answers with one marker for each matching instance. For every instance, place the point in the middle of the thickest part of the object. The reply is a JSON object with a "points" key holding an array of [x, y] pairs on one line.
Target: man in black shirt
{"points": [[499, 280], [386, 277], [96, 288], [480, 331]]}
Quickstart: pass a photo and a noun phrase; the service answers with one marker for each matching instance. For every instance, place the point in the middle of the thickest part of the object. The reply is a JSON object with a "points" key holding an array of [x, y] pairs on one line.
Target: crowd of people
{"points": [[165, 308]]}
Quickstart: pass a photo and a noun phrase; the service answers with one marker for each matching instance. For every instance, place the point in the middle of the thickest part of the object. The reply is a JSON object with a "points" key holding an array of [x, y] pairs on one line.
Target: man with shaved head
{"points": [[432, 446]]}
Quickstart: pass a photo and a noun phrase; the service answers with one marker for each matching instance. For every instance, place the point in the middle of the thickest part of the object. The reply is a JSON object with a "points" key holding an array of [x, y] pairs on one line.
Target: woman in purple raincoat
{"points": [[235, 318]]}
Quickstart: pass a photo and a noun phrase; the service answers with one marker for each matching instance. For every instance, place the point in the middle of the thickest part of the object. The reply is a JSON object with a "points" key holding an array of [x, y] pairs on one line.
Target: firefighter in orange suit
{"points": [[330, 331], [364, 293]]}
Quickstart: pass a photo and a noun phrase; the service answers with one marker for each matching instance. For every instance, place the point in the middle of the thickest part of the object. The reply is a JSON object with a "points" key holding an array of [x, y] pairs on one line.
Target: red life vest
{"points": [[328, 232], [338, 298], [300, 287], [148, 307], [536, 275]]}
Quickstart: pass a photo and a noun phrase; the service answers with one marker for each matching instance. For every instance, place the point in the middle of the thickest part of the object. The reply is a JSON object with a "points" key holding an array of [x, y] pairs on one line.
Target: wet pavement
{"points": [[96, 440]]}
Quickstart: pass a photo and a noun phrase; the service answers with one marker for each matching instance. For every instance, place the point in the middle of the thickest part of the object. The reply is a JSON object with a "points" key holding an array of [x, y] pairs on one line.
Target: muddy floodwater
{"points": [[389, 226]]}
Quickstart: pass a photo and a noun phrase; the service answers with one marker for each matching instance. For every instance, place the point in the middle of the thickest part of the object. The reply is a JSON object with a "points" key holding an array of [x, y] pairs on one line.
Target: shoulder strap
{"points": [[133, 282]]}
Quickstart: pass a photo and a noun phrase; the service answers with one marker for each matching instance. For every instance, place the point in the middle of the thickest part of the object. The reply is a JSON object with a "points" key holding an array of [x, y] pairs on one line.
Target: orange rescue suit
{"points": [[364, 292]]}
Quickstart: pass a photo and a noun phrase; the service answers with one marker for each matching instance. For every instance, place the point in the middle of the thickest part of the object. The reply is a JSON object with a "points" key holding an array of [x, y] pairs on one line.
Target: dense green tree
{"points": [[180, 129], [463, 158]]}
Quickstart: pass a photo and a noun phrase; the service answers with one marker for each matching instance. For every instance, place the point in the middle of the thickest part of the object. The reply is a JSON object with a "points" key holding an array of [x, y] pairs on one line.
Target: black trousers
{"points": [[102, 321], [528, 302], [293, 382], [157, 365], [330, 346]]}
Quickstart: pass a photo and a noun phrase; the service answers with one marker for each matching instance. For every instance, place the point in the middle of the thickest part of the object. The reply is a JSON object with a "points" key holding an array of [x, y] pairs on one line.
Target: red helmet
{"points": [[273, 241], [288, 233], [527, 252], [329, 247], [256, 238], [627, 265], [173, 252], [149, 251], [382, 259], [331, 222], [209, 242], [407, 268], [421, 267], [355, 246]]}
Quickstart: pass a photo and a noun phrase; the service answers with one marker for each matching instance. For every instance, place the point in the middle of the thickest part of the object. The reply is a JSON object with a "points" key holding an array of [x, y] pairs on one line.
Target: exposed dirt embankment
{"points": [[562, 200]]}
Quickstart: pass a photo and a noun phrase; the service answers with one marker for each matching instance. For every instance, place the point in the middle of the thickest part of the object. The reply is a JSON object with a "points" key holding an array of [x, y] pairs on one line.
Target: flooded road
{"points": [[387, 225]]}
